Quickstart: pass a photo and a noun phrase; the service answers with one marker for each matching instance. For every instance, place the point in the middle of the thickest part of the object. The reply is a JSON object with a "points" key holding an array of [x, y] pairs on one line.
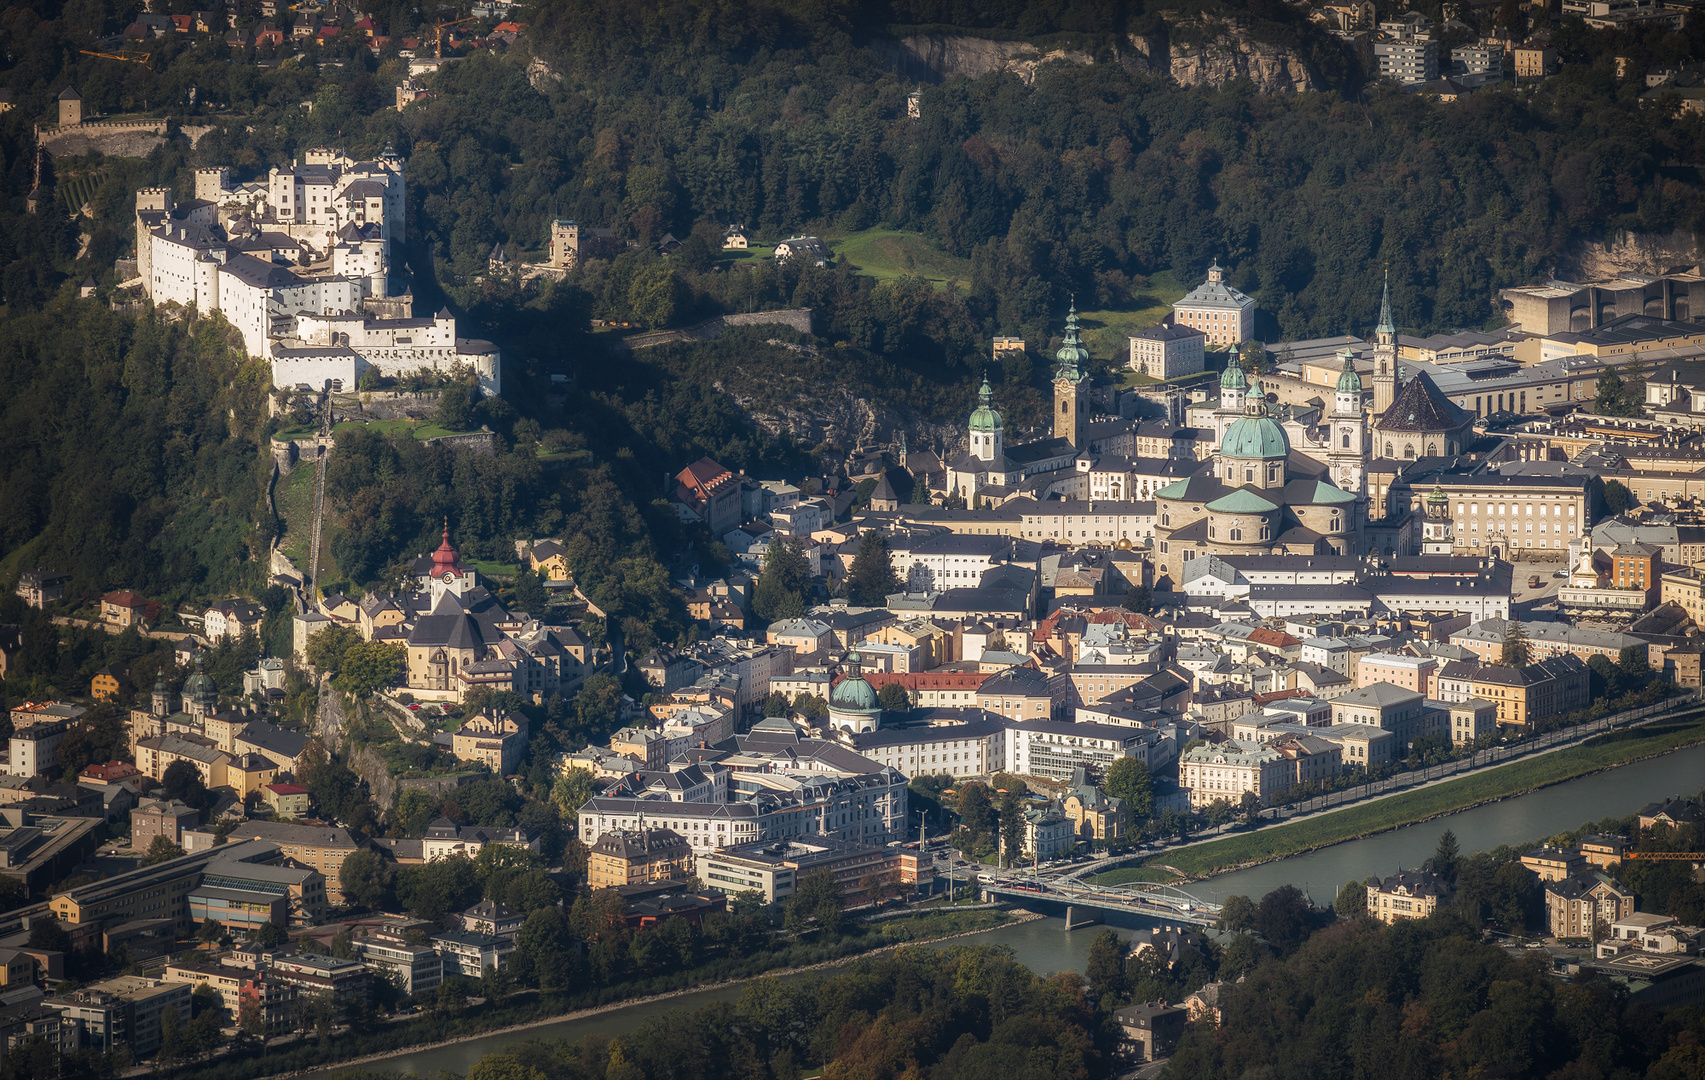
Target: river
{"points": [[1045, 947]]}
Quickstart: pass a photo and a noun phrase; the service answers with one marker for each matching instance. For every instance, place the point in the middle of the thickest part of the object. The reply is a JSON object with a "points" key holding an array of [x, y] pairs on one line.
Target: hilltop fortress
{"points": [[300, 263]]}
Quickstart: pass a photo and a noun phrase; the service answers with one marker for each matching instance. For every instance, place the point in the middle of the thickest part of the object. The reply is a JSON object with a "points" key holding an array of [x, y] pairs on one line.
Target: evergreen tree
{"points": [[1515, 652], [920, 491], [1105, 968], [1138, 598], [872, 577], [1352, 902], [1448, 858], [1129, 779], [780, 590]]}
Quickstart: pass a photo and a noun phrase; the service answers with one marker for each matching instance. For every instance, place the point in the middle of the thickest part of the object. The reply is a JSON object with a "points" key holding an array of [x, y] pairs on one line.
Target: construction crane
{"points": [[439, 52], [134, 56], [1669, 856]]}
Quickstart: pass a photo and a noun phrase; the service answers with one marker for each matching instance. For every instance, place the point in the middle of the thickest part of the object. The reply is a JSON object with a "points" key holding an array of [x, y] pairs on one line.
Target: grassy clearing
{"points": [[1217, 855], [295, 498], [493, 569], [419, 429], [1126, 875], [1108, 332], [885, 254]]}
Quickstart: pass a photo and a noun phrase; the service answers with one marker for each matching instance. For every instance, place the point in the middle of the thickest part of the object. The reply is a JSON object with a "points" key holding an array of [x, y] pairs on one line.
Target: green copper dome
{"points": [[1234, 379], [1437, 497], [199, 686], [985, 418], [1349, 382], [1072, 354], [853, 694], [1255, 436]]}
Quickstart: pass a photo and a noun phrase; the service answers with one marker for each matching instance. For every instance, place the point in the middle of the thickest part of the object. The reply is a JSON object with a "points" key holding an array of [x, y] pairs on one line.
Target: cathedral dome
{"points": [[853, 693], [984, 417], [199, 686], [1349, 382], [1255, 436]]}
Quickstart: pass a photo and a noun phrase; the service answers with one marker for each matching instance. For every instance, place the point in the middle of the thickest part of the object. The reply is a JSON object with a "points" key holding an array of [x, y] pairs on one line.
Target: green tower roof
{"points": [[1386, 326], [984, 417], [1234, 379], [1072, 355], [1349, 382], [853, 693]]}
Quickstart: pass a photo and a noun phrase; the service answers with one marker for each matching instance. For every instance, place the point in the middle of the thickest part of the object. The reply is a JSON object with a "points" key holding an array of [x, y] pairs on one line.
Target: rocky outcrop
{"points": [[1213, 52], [1203, 52], [839, 417], [1631, 253], [936, 57]]}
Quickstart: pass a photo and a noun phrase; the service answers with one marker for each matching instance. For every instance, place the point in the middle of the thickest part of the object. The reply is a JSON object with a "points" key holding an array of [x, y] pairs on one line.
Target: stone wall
{"points": [[114, 138]]}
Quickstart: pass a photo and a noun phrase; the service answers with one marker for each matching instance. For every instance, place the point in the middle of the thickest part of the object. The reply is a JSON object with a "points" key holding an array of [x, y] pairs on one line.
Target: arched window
{"points": [[1409, 452], [1337, 523], [1388, 451], [1266, 532], [1210, 530], [1166, 519], [1346, 440], [1237, 534], [1432, 449]]}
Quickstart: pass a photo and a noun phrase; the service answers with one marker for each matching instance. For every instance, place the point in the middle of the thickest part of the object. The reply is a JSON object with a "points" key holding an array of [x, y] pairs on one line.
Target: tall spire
{"points": [[1072, 354], [1386, 326]]}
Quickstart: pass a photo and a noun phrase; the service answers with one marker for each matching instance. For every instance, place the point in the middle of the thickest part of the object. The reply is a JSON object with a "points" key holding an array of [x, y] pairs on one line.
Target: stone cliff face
{"points": [[1215, 53], [839, 417], [1630, 253], [935, 57]]}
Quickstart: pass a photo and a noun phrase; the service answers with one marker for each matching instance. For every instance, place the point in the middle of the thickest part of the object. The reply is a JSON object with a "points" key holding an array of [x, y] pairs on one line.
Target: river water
{"points": [[1045, 947]]}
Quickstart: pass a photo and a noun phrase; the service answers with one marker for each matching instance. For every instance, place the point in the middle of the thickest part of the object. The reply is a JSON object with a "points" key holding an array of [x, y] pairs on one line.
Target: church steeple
{"points": [[985, 426], [1072, 355], [1386, 330], [1069, 380]]}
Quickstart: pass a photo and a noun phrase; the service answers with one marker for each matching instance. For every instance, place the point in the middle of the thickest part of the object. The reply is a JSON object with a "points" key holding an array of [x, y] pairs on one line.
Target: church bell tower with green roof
{"points": [[1070, 382]]}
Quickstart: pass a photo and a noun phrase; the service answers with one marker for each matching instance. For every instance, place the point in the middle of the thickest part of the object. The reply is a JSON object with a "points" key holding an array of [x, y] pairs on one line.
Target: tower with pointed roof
{"points": [[1384, 354], [1070, 382], [1348, 457], [985, 426], [162, 695]]}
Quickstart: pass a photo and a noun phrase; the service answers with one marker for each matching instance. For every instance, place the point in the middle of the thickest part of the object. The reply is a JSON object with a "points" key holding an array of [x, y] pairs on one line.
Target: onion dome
{"points": [[985, 418], [1349, 382]]}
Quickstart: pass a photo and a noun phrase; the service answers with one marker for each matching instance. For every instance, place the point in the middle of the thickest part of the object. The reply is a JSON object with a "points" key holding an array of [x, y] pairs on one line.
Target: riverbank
{"points": [[993, 920], [1410, 808]]}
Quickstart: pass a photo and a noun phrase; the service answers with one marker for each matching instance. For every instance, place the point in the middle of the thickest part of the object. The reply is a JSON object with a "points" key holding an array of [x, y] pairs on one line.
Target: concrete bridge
{"points": [[1088, 904]]}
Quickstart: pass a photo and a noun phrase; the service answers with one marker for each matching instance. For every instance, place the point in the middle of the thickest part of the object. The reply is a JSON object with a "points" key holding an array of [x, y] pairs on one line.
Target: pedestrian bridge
{"points": [[1164, 902]]}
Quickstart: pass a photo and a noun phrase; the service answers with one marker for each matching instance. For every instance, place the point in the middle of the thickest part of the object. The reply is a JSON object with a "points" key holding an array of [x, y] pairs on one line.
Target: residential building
{"points": [[1095, 815], [1151, 1029], [1409, 61], [239, 989], [1408, 672], [231, 618], [36, 735], [638, 856], [316, 846], [287, 800], [1022, 694], [1407, 894], [489, 918], [1384, 705], [1585, 905], [710, 493], [39, 587], [1554, 863], [108, 681], [1167, 351], [470, 954], [347, 981], [1231, 770], [416, 968], [161, 817], [123, 1013], [123, 609], [1470, 720], [1057, 750], [445, 838], [497, 741], [1534, 61]]}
